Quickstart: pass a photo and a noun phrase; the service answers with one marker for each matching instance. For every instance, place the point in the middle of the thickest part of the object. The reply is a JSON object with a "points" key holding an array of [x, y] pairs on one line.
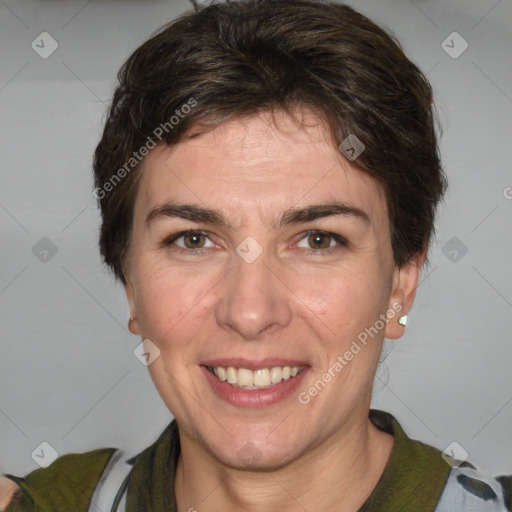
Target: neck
{"points": [[338, 475]]}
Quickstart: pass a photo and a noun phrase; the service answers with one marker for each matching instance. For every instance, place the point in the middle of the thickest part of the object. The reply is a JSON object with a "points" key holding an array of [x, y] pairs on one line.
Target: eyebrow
{"points": [[292, 216]]}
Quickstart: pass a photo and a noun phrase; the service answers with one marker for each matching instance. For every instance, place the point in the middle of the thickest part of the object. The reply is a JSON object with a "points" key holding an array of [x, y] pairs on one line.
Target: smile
{"points": [[261, 378], [265, 384]]}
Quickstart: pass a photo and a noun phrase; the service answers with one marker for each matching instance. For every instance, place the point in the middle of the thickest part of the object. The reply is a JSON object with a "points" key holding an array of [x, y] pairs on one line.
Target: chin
{"points": [[261, 451], [250, 457]]}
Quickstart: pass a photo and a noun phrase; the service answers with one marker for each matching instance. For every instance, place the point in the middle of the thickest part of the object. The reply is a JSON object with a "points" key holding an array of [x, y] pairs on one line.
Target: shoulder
{"points": [[470, 490], [422, 477], [68, 483], [9, 492]]}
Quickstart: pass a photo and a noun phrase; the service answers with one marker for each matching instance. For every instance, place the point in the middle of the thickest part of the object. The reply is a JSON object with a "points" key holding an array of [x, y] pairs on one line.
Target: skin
{"points": [[7, 491], [290, 302]]}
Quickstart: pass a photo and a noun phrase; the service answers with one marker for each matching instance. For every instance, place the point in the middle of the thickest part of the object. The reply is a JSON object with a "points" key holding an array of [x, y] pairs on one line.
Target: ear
{"points": [[129, 289], [405, 283]]}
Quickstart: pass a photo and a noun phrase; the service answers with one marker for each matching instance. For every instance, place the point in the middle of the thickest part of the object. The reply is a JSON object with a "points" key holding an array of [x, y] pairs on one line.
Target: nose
{"points": [[255, 302]]}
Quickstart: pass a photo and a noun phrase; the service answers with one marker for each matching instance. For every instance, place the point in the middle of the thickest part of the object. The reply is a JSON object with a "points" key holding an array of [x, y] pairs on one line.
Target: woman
{"points": [[268, 178]]}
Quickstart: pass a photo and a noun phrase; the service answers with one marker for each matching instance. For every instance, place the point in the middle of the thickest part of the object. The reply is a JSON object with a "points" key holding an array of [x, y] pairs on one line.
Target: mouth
{"points": [[261, 378], [263, 384]]}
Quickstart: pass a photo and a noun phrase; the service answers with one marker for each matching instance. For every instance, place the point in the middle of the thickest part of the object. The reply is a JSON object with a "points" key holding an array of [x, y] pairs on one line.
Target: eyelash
{"points": [[342, 241]]}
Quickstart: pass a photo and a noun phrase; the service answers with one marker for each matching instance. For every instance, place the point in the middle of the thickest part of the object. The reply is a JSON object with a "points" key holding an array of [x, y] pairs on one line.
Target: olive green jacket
{"points": [[413, 479]]}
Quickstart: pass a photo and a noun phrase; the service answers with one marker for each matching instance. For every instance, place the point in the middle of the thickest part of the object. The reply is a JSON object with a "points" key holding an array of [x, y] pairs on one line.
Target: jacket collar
{"points": [[413, 479]]}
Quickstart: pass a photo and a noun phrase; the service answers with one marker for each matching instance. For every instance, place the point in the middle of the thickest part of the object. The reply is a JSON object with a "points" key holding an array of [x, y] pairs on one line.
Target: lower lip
{"points": [[253, 398]]}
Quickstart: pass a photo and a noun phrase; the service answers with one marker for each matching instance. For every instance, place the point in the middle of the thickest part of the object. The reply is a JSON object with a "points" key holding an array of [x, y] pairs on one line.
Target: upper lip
{"points": [[253, 364]]}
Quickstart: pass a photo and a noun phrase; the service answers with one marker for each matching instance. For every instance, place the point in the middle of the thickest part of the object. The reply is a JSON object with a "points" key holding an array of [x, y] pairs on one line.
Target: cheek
{"points": [[168, 300], [345, 299]]}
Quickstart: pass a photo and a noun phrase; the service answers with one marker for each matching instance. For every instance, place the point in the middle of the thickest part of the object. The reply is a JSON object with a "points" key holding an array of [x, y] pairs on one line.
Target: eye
{"points": [[322, 241], [188, 240]]}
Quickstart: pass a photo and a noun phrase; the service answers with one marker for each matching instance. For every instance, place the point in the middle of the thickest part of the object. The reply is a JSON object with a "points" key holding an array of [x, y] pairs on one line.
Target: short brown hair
{"points": [[241, 57]]}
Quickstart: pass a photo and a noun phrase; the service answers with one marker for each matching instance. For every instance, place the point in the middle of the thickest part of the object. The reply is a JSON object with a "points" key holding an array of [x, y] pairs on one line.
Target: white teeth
{"points": [[221, 373], [276, 374], [259, 379], [231, 375], [244, 377]]}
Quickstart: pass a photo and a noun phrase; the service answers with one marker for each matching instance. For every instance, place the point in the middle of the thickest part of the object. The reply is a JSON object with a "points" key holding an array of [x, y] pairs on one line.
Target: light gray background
{"points": [[67, 372]]}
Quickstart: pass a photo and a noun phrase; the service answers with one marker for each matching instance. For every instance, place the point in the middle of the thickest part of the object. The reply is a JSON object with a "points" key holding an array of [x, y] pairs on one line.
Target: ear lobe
{"points": [[405, 284], [130, 297]]}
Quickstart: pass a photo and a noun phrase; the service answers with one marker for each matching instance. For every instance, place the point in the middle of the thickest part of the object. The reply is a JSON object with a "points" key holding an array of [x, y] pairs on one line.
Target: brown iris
{"points": [[319, 240], [195, 240]]}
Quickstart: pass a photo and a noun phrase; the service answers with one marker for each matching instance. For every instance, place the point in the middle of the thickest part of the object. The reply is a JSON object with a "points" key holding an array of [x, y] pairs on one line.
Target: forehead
{"points": [[261, 164]]}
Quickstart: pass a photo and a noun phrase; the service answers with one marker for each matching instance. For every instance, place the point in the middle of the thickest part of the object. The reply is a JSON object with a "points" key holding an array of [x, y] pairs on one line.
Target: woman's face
{"points": [[267, 288]]}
